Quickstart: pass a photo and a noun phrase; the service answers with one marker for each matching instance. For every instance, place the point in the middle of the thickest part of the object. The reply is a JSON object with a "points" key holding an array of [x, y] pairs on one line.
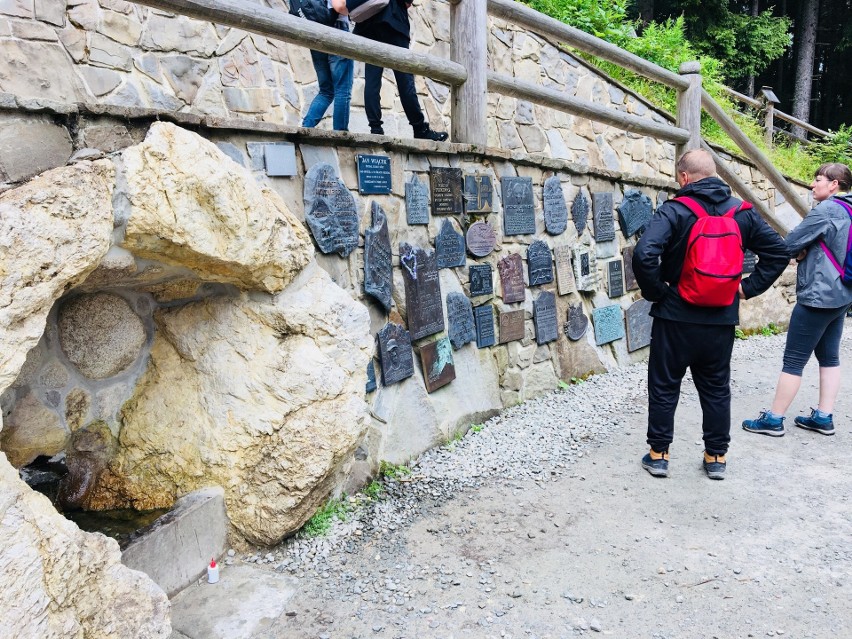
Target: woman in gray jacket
{"points": [[816, 324]]}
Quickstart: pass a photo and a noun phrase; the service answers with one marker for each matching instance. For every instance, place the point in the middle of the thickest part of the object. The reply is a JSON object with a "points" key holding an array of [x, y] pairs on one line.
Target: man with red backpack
{"points": [[689, 263]]}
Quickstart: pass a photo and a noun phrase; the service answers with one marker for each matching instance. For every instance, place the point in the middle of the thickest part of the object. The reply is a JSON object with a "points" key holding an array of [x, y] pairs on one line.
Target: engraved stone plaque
{"points": [[374, 174], [518, 208], [481, 239], [602, 213], [378, 269], [484, 325], [634, 212], [555, 209], [512, 278], [438, 367], [544, 318], [330, 211], [539, 263], [565, 282], [609, 324], [585, 269], [749, 262], [460, 319], [395, 354], [478, 194], [639, 323], [481, 282], [416, 201], [577, 324], [422, 291], [371, 377], [446, 185], [580, 212], [614, 278], [511, 326], [630, 282], [280, 159], [449, 246]]}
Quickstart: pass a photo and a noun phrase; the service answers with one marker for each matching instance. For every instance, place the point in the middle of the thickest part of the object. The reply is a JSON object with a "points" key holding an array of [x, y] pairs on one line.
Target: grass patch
{"points": [[320, 523], [393, 471], [766, 331]]}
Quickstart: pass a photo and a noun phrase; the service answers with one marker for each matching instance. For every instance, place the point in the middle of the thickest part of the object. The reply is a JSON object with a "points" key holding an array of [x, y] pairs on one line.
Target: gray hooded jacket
{"points": [[817, 281]]}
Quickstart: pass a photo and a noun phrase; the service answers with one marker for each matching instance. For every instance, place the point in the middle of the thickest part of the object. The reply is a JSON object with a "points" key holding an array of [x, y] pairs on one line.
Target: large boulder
{"points": [[264, 398], [192, 206]]}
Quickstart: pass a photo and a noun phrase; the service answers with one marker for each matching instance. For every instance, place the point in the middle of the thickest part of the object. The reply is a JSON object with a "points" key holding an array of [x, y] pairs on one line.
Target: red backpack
{"points": [[713, 265]]}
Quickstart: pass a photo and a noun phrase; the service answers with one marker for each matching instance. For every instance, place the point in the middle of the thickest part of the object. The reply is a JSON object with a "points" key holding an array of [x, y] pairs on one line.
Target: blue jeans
{"points": [[334, 75]]}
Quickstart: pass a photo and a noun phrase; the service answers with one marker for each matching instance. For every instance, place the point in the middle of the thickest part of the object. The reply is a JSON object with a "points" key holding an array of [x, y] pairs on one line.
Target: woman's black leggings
{"points": [[813, 330]]}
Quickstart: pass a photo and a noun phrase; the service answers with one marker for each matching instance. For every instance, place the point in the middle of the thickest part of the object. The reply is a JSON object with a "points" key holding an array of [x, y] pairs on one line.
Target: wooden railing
{"points": [[470, 79]]}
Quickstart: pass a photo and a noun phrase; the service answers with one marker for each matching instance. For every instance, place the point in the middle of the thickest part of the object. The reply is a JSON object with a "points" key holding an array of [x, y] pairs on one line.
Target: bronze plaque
{"points": [[565, 281], [446, 187], [630, 282], [422, 291], [511, 270], [481, 239], [437, 361], [511, 326]]}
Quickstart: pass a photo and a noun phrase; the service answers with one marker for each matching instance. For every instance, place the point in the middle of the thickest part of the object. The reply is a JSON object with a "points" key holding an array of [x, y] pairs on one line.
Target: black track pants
{"points": [[706, 350]]}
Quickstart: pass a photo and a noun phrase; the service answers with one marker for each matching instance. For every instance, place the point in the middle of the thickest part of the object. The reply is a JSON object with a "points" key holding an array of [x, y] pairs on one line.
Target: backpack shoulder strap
{"points": [[843, 204], [744, 206], [692, 205]]}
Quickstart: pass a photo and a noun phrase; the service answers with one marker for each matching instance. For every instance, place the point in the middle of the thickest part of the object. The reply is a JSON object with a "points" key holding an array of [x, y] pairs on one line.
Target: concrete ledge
{"points": [[174, 551]]}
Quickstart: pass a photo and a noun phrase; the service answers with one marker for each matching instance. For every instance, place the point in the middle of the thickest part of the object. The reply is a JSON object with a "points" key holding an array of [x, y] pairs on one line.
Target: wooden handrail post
{"points": [[468, 46], [768, 101], [689, 106]]}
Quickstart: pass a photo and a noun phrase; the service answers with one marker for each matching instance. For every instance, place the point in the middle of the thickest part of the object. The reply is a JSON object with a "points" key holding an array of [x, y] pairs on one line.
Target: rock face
{"points": [[256, 403], [192, 206]]}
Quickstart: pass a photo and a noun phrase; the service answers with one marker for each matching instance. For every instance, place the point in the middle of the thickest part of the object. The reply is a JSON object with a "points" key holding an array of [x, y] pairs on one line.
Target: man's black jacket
{"points": [[394, 16], [660, 253]]}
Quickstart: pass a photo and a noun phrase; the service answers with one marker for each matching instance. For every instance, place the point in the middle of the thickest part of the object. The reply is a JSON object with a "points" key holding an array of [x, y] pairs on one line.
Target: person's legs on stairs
{"points": [[341, 72], [319, 105]]}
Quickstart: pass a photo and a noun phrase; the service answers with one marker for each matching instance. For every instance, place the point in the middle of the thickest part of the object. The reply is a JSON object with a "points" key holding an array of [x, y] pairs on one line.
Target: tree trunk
{"points": [[807, 33], [645, 8], [755, 11]]}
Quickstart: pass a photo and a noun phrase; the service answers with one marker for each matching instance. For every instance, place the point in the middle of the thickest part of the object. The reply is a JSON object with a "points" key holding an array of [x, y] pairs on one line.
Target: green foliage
{"points": [[836, 149], [320, 523], [563, 385], [739, 333], [394, 471], [373, 490], [766, 331], [477, 428], [605, 20]]}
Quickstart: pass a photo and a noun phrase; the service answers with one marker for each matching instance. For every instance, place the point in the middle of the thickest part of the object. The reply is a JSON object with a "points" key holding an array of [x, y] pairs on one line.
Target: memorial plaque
{"points": [[395, 354], [422, 291], [438, 367], [484, 316], [615, 278], [555, 209], [481, 239], [585, 269], [630, 282], [609, 324], [460, 319], [749, 262], [512, 278], [449, 246], [580, 212], [511, 326], [662, 198], [639, 323], [280, 159], [565, 282], [371, 377], [544, 318], [481, 282], [602, 213], [634, 212], [577, 324], [416, 201], [446, 185], [330, 211], [478, 194], [539, 263], [518, 208], [374, 174], [378, 269]]}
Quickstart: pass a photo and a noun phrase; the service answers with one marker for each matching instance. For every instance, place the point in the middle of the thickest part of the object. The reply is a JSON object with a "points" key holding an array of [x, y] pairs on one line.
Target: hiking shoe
{"points": [[378, 131], [765, 425], [429, 134], [824, 425], [656, 463], [714, 465]]}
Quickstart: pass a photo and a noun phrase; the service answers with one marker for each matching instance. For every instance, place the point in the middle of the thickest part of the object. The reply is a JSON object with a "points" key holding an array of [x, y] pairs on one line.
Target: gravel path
{"points": [[543, 524]]}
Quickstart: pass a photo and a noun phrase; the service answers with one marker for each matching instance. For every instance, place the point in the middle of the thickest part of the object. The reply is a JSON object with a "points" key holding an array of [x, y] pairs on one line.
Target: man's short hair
{"points": [[697, 163]]}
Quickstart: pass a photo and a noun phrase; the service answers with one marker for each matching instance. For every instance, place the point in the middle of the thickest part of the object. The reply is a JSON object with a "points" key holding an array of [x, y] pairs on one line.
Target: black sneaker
{"points": [[656, 463], [429, 134], [824, 425], [765, 425], [714, 465], [377, 131]]}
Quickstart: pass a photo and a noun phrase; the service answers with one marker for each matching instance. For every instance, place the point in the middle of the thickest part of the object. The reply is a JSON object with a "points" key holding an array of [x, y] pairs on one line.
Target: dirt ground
{"points": [[610, 550]]}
